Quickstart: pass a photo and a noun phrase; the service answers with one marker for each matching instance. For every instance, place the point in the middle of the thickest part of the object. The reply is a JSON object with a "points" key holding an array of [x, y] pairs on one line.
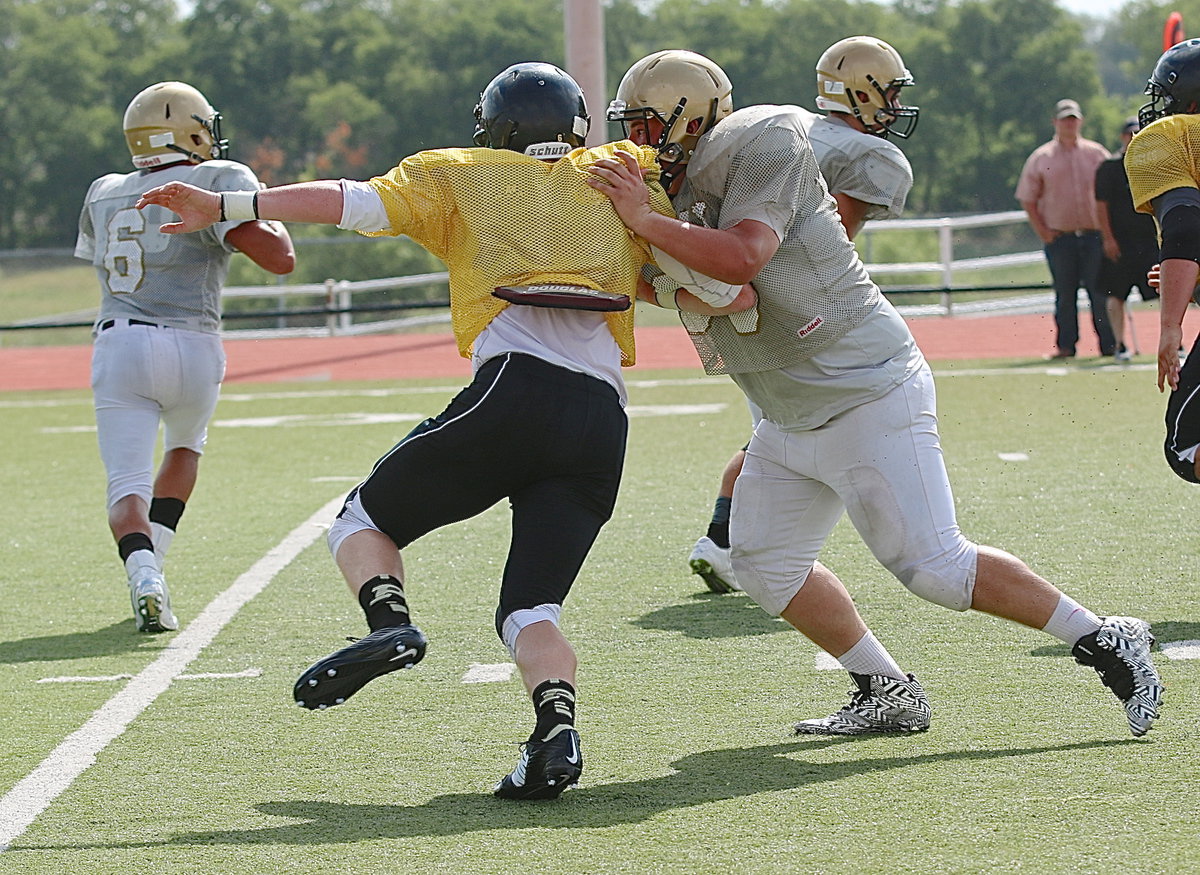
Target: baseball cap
{"points": [[1067, 108], [1130, 126]]}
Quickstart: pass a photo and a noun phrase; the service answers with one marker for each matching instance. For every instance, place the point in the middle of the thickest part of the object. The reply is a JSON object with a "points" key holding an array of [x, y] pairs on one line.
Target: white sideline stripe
{"points": [[222, 675], [1013, 457], [33, 794], [208, 675], [825, 662], [485, 673], [1181, 649], [672, 409]]}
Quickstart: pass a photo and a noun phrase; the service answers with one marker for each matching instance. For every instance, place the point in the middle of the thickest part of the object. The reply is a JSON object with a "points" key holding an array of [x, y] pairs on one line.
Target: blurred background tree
{"points": [[326, 88]]}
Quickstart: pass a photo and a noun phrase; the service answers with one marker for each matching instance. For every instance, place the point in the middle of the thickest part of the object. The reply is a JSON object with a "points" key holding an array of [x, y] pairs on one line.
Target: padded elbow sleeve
{"points": [[1181, 233]]}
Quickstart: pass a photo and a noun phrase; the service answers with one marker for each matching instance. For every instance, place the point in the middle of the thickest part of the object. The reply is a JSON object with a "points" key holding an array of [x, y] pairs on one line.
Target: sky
{"points": [[1095, 8]]}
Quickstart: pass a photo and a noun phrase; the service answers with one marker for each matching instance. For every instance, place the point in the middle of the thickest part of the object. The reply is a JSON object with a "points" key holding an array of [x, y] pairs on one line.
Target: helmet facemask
{"points": [[864, 76], [673, 149], [1174, 86]]}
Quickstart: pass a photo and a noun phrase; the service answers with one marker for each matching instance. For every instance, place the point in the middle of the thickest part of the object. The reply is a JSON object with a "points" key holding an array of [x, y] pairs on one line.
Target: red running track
{"points": [[400, 356]]}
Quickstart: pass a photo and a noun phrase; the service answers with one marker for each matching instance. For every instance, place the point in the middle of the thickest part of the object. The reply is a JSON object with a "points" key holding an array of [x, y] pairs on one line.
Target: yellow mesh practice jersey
{"points": [[1163, 156], [498, 217]]}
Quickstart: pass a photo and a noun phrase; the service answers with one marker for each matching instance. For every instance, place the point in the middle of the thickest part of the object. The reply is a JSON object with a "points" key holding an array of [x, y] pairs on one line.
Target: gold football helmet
{"points": [[862, 75], [170, 122], [685, 91]]}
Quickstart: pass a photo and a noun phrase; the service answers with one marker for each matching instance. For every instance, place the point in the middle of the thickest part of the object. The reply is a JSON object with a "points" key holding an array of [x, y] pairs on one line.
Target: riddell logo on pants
{"points": [[810, 327]]}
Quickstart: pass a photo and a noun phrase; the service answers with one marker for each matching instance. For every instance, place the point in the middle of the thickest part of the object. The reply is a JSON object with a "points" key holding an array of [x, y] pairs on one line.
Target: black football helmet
{"points": [[528, 106], [1174, 86]]}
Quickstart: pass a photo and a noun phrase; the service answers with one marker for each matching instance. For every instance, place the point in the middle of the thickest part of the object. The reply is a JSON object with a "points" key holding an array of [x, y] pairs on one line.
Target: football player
{"points": [[542, 423], [849, 418], [859, 82], [1163, 180], [157, 355]]}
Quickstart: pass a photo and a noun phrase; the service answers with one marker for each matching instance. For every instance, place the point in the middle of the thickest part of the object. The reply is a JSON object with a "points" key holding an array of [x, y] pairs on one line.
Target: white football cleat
{"points": [[152, 604], [713, 564]]}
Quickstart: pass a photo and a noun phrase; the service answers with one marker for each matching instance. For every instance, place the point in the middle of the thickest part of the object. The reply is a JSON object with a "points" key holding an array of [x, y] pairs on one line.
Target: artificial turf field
{"points": [[184, 753]]}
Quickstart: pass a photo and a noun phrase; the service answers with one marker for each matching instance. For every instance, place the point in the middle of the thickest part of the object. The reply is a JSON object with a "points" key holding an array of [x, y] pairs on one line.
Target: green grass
{"points": [[686, 699]]}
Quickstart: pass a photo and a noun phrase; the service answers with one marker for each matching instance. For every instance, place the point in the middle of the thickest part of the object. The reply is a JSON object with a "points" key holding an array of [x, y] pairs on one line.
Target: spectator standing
{"points": [[1057, 191], [1130, 240]]}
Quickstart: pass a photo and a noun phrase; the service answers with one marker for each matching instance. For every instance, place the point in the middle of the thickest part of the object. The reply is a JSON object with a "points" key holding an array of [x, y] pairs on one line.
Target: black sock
{"points": [[554, 702], [718, 529], [382, 600], [166, 512], [133, 542]]}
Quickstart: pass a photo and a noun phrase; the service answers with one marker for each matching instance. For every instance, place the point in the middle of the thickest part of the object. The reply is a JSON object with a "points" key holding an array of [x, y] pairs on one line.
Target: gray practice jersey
{"points": [[822, 338], [863, 166], [170, 279]]}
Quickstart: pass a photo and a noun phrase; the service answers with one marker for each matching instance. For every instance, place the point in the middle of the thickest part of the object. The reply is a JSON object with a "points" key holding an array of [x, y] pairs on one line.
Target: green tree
{"points": [[69, 68]]}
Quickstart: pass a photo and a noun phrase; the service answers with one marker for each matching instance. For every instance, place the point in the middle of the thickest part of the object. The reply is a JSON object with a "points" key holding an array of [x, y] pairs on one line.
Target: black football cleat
{"points": [[341, 674], [546, 767]]}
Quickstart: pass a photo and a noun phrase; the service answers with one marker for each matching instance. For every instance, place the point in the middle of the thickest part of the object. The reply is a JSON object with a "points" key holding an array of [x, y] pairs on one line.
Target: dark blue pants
{"points": [[1075, 263]]}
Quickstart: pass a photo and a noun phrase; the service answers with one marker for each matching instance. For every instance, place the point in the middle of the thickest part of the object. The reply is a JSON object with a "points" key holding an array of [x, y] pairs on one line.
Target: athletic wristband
{"points": [[239, 206], [666, 292]]}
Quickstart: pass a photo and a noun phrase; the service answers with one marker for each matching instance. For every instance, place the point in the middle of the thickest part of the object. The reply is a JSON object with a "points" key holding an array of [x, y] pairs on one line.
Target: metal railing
{"points": [[338, 296]]}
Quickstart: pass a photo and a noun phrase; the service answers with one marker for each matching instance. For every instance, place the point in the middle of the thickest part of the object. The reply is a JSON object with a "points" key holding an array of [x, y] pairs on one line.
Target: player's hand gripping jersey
{"points": [[444, 200]]}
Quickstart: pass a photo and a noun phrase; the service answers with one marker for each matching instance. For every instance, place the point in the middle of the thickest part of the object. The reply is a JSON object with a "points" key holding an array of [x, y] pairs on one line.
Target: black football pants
{"points": [[550, 440]]}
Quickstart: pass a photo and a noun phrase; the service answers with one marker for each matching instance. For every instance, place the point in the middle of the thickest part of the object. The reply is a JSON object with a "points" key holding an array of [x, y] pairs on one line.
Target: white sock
{"points": [[868, 656], [140, 564], [1071, 621], [161, 537]]}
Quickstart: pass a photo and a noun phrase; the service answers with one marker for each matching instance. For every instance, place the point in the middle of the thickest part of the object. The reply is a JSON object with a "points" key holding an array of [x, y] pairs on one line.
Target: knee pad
{"points": [[350, 519], [508, 628], [947, 580], [1185, 469], [122, 486]]}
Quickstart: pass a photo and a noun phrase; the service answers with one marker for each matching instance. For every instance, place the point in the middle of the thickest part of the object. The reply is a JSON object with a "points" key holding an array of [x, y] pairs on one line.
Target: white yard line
{"points": [[34, 793], [488, 673], [203, 676]]}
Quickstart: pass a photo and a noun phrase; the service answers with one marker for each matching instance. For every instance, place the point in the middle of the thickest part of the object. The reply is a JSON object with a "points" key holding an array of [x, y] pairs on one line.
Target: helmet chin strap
{"points": [[670, 171], [191, 156]]}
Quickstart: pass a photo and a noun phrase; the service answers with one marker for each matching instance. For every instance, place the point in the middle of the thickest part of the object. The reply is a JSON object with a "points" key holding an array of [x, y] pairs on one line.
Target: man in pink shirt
{"points": [[1058, 193]]}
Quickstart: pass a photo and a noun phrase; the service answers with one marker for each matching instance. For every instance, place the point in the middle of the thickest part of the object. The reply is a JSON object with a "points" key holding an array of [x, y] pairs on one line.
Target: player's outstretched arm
{"points": [[319, 202]]}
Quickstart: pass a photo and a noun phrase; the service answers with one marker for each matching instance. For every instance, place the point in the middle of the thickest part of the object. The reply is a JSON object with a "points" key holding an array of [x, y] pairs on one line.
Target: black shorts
{"points": [[550, 440], [1118, 277], [1183, 416]]}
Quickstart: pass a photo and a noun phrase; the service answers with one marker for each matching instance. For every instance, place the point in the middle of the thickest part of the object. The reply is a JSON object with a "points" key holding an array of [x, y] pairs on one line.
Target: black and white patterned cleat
{"points": [[879, 704], [1120, 653]]}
